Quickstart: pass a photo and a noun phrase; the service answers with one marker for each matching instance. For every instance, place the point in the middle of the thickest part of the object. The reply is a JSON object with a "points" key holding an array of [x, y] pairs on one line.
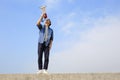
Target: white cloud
{"points": [[71, 1], [67, 27], [67, 23], [96, 50]]}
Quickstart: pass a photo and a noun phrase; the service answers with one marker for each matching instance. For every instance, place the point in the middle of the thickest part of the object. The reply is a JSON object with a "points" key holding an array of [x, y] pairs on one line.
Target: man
{"points": [[44, 43]]}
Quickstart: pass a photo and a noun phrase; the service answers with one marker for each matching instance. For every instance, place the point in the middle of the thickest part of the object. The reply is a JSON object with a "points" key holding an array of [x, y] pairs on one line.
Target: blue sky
{"points": [[86, 35]]}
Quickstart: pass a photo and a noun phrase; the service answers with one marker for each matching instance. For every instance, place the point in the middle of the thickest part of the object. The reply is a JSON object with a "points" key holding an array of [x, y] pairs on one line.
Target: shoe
{"points": [[40, 71], [45, 71]]}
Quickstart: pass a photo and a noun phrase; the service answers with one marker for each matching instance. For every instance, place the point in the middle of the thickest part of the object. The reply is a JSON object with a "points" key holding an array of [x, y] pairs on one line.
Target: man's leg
{"points": [[46, 58], [40, 55]]}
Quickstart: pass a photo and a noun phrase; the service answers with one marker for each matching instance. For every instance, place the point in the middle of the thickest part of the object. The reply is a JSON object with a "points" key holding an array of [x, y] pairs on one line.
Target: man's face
{"points": [[48, 22]]}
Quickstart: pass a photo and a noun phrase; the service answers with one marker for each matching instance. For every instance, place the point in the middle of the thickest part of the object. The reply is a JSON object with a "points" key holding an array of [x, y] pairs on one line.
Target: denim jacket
{"points": [[42, 33]]}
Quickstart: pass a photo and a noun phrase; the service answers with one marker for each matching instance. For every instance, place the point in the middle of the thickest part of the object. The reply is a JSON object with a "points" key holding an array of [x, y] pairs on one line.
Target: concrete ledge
{"points": [[74, 76]]}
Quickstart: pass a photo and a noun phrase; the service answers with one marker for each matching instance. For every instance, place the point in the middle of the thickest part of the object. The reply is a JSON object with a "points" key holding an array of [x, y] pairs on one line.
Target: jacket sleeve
{"points": [[39, 26], [51, 38]]}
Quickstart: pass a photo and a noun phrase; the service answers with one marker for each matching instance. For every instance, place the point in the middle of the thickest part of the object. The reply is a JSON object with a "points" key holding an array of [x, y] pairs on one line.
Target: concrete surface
{"points": [[62, 76]]}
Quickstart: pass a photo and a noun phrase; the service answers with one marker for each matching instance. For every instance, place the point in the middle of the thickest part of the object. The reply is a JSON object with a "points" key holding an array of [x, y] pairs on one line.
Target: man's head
{"points": [[48, 22]]}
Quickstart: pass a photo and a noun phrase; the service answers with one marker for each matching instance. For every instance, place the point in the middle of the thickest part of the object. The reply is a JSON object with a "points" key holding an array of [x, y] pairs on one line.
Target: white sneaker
{"points": [[40, 71], [45, 71]]}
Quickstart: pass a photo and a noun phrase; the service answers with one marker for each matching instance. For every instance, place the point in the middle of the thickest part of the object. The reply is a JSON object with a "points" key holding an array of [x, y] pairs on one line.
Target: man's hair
{"points": [[50, 22]]}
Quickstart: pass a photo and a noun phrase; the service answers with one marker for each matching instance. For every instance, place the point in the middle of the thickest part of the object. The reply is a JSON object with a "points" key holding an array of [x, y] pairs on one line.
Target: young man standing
{"points": [[44, 43]]}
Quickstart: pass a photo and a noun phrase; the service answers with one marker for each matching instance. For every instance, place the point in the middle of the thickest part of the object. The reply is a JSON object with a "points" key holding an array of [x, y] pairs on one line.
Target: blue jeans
{"points": [[42, 49]]}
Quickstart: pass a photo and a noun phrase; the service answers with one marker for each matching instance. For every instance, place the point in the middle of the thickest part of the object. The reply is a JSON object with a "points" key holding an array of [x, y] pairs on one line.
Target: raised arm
{"points": [[39, 20]]}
